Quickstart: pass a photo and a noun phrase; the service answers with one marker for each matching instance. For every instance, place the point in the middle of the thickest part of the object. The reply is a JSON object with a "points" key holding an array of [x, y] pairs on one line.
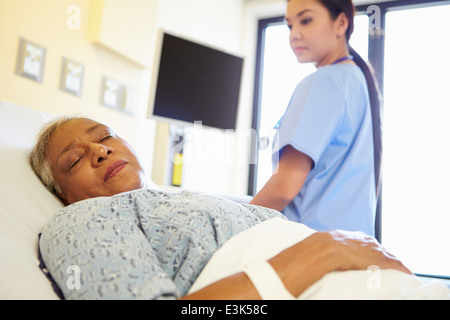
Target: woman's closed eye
{"points": [[105, 138], [105, 134], [76, 160]]}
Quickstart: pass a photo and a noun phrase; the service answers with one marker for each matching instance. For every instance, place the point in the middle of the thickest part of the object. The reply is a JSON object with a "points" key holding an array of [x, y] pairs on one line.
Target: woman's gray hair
{"points": [[38, 156]]}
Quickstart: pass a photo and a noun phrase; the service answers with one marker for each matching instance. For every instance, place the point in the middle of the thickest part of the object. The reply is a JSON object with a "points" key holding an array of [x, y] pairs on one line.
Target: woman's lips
{"points": [[299, 50], [114, 169]]}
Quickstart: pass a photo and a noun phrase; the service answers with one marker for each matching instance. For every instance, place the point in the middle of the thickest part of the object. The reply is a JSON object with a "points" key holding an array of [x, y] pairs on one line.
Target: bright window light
{"points": [[416, 131]]}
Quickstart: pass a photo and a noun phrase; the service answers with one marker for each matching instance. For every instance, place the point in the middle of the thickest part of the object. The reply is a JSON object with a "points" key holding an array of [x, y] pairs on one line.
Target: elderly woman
{"points": [[128, 241]]}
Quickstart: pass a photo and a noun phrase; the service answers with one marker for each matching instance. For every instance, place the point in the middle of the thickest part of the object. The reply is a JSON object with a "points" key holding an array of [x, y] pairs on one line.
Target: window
{"points": [[409, 50], [416, 169]]}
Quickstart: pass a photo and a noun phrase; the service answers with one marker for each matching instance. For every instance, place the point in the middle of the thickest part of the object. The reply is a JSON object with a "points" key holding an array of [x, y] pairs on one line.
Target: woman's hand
{"points": [[308, 261], [357, 251]]}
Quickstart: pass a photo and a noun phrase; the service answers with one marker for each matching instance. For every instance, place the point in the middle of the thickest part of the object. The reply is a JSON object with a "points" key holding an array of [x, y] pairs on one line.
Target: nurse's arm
{"points": [[287, 180]]}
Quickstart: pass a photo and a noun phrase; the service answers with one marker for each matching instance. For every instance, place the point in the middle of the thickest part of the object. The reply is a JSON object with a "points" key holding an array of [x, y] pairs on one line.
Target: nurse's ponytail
{"points": [[375, 106], [336, 7]]}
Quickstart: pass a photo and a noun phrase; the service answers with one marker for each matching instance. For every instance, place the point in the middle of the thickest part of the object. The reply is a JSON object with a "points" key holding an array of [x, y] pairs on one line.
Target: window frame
{"points": [[376, 58]]}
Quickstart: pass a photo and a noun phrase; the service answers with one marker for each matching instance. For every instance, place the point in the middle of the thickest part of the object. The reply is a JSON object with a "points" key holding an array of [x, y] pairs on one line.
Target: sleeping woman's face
{"points": [[89, 160]]}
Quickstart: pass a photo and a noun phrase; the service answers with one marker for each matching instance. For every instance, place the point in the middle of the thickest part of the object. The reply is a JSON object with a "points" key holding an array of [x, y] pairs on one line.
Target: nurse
{"points": [[327, 147]]}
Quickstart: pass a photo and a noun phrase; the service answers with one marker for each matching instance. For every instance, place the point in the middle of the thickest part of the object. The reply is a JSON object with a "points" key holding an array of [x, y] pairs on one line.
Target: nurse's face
{"points": [[89, 160], [314, 36]]}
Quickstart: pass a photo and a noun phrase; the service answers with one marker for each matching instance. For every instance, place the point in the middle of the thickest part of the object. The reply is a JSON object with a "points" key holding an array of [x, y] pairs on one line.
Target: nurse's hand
{"points": [[286, 182]]}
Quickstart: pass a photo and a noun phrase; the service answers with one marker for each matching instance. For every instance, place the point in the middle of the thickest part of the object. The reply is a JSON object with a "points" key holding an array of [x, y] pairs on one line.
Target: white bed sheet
{"points": [[267, 239]]}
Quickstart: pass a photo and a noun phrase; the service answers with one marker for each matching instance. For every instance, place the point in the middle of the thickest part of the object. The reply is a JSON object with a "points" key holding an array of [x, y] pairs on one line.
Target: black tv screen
{"points": [[196, 83]]}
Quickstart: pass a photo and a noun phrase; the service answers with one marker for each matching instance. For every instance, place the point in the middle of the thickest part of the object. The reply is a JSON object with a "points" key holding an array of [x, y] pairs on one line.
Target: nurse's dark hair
{"points": [[335, 8]]}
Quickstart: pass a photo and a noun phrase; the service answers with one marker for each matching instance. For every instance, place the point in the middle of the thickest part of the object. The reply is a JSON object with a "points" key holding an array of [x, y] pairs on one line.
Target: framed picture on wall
{"points": [[72, 77], [30, 60], [111, 94]]}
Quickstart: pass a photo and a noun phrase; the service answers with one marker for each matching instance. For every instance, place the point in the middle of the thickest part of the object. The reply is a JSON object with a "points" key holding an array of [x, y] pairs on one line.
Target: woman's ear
{"points": [[341, 24]]}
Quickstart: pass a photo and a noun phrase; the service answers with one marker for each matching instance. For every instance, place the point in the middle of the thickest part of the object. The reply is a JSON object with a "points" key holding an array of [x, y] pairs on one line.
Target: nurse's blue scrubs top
{"points": [[329, 120]]}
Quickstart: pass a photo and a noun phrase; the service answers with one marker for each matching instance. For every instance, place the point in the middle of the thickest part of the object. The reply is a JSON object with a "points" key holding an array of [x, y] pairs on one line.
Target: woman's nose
{"points": [[295, 34], [101, 152]]}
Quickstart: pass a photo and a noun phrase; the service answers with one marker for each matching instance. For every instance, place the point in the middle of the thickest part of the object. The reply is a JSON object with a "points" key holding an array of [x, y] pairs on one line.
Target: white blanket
{"points": [[265, 240]]}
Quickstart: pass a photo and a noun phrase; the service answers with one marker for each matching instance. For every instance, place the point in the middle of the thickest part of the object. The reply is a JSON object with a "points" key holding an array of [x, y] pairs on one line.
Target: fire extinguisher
{"points": [[177, 170]]}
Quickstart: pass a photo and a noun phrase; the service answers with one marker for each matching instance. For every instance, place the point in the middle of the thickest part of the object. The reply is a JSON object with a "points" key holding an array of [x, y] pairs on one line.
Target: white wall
{"points": [[45, 22], [215, 22]]}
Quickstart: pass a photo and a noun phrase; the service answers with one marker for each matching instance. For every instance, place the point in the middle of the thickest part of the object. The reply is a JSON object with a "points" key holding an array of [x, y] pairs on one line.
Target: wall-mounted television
{"points": [[193, 82]]}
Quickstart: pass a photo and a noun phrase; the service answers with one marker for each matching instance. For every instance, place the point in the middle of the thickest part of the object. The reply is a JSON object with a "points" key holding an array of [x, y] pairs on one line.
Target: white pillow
{"points": [[25, 206]]}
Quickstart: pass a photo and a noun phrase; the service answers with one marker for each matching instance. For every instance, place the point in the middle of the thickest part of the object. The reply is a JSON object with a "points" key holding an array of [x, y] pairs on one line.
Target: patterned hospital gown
{"points": [[142, 244]]}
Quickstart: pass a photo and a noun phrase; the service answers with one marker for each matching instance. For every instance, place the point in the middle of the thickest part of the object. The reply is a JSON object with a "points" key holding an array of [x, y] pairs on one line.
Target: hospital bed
{"points": [[26, 206]]}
